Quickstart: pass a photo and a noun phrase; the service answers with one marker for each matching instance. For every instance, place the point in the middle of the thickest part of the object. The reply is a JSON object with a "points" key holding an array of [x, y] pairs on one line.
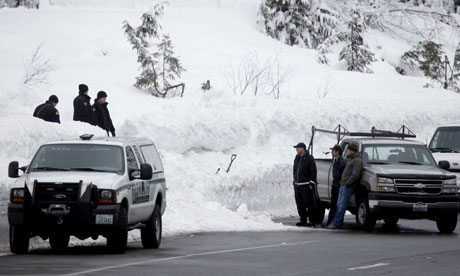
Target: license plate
{"points": [[420, 207], [104, 219]]}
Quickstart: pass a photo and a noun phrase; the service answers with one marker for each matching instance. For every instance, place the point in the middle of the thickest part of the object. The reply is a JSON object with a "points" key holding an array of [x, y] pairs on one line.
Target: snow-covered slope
{"points": [[197, 134]]}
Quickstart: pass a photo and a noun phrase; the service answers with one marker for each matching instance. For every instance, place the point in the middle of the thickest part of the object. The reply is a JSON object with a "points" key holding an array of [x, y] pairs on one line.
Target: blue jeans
{"points": [[344, 196]]}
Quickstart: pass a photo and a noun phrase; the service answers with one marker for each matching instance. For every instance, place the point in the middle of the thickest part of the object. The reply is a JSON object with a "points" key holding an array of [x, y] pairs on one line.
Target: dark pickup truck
{"points": [[400, 179]]}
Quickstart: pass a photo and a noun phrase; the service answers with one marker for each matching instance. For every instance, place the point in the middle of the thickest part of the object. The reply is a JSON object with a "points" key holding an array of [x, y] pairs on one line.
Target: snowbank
{"points": [[197, 134]]}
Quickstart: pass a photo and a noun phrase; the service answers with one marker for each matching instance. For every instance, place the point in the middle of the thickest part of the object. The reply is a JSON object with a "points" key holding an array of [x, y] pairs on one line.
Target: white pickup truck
{"points": [[87, 188], [445, 145]]}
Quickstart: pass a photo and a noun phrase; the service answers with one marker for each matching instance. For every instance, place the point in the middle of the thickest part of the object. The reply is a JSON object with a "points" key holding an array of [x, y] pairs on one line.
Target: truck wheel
{"points": [[151, 233], [59, 242], [447, 222], [364, 219], [117, 240], [391, 221], [19, 239]]}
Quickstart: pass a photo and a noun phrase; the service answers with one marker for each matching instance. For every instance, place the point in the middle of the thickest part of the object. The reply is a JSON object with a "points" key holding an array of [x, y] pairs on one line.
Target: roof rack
{"points": [[341, 132]]}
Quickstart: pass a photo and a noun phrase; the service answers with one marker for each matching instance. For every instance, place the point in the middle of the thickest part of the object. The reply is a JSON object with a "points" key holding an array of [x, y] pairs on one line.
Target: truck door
{"points": [[138, 189]]}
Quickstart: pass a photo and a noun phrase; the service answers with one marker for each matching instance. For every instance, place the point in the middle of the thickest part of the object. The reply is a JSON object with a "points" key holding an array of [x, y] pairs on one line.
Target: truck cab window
{"points": [[131, 160]]}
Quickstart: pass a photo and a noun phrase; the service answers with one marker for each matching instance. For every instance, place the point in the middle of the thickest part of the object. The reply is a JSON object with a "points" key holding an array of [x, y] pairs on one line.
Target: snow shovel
{"points": [[231, 162]]}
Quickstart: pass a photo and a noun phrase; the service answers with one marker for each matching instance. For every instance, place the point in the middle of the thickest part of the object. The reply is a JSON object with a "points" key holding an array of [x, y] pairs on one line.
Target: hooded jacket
{"points": [[351, 175]]}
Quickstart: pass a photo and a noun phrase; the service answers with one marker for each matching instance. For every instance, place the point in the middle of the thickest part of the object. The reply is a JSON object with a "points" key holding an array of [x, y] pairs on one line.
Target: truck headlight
{"points": [[385, 185], [449, 190], [107, 196], [452, 181], [17, 195]]}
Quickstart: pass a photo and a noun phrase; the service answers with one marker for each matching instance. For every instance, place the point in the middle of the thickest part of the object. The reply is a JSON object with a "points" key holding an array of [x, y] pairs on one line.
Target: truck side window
{"points": [[151, 156], [131, 158], [345, 147], [138, 155]]}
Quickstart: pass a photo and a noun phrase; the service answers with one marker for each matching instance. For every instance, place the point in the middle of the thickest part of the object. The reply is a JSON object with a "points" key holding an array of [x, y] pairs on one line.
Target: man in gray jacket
{"points": [[350, 179]]}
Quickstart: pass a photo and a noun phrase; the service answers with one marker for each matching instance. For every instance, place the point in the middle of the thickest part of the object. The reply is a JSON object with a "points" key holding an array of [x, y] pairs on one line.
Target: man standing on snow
{"points": [[101, 113], [350, 179], [337, 170], [47, 111], [82, 110], [304, 185]]}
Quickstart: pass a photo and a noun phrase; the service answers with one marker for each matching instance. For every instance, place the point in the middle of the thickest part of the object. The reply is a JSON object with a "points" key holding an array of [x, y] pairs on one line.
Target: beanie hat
{"points": [[353, 146], [53, 99], [82, 88], [100, 95]]}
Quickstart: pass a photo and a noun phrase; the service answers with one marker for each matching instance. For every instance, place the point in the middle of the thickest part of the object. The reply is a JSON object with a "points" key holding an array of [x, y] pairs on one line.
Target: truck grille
{"points": [[418, 187], [56, 193]]}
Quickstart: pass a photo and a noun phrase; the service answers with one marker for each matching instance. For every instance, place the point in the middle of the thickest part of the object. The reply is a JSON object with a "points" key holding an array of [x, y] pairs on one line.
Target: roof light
{"points": [[86, 136]]}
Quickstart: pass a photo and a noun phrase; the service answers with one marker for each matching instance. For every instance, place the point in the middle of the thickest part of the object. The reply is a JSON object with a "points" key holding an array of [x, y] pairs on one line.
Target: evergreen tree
{"points": [[356, 53], [288, 21], [430, 60], [456, 70], [156, 57]]}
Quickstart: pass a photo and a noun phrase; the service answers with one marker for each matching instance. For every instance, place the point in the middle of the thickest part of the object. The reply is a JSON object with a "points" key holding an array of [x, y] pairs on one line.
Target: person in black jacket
{"points": [[82, 110], [47, 111], [101, 113], [304, 185]]}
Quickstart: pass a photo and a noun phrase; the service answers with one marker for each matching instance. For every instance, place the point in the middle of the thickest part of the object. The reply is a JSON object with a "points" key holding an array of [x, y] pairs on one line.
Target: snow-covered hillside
{"points": [[197, 134]]}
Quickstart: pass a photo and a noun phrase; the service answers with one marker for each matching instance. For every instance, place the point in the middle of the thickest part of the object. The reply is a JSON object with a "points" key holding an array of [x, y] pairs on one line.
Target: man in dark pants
{"points": [[47, 111], [82, 110], [101, 113], [304, 185], [337, 170]]}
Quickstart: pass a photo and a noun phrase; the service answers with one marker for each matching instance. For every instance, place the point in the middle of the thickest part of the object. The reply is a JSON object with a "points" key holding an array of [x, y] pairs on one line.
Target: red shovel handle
{"points": [[231, 162]]}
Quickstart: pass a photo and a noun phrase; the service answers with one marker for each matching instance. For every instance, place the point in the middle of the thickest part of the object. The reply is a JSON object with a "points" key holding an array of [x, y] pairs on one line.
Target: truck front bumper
{"points": [[411, 206], [81, 218]]}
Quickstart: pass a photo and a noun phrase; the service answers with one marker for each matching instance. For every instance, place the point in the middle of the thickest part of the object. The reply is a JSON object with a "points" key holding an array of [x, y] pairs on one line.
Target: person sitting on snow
{"points": [[47, 111]]}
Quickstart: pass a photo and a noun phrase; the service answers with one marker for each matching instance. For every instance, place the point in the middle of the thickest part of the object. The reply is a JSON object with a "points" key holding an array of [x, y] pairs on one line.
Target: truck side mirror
{"points": [[13, 169], [445, 165], [146, 171]]}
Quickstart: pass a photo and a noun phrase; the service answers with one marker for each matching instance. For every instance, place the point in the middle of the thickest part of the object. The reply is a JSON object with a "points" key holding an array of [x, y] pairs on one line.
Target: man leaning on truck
{"points": [[304, 181], [350, 178], [337, 170]]}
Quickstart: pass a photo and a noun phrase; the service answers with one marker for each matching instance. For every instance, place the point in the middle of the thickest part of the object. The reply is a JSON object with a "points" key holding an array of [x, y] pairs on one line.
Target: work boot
{"points": [[301, 223], [331, 226]]}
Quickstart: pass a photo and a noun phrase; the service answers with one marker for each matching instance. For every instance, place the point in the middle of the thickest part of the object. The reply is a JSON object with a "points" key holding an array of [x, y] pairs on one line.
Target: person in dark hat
{"points": [[47, 111], [82, 110], [305, 185], [351, 177], [101, 113], [337, 170]]}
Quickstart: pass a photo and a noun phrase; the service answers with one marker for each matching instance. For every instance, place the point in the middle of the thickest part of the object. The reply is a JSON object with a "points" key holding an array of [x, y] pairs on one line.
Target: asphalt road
{"points": [[412, 248]]}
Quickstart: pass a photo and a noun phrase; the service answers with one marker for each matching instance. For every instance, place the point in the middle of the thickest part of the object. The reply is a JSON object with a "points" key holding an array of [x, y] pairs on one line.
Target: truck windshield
{"points": [[78, 157], [446, 139], [397, 154]]}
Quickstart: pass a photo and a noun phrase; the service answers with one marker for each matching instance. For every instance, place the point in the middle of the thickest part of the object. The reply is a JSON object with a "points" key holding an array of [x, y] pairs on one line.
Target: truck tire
{"points": [[151, 233], [59, 242], [364, 219], [19, 239], [391, 221], [447, 222], [117, 240]]}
